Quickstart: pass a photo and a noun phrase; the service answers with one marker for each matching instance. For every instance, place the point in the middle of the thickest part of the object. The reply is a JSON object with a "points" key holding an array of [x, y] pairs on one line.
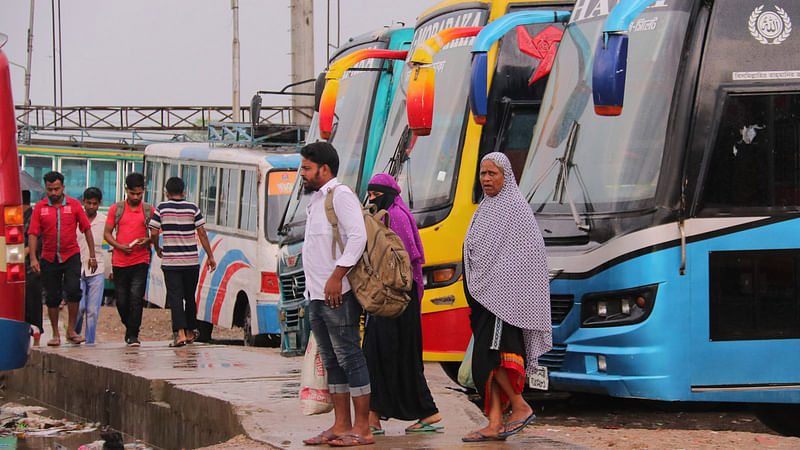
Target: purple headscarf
{"points": [[402, 222]]}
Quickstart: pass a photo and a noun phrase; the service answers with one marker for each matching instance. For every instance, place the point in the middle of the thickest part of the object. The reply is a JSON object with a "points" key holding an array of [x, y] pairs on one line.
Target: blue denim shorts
{"points": [[339, 340]]}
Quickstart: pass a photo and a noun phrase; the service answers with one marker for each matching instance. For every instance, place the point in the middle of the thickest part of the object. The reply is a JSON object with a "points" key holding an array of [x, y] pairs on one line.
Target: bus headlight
{"points": [[624, 307]]}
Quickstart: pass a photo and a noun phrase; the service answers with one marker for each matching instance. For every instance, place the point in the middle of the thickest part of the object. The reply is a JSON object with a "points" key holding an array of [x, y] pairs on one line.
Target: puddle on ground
{"points": [[27, 424]]}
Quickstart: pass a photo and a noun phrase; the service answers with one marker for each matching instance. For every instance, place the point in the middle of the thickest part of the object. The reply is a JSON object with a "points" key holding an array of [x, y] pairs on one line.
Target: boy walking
{"points": [[55, 218], [91, 282], [131, 254], [182, 224]]}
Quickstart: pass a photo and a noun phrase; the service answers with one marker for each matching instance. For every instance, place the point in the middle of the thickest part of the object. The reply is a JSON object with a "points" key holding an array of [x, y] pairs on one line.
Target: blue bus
{"points": [[664, 174], [362, 104]]}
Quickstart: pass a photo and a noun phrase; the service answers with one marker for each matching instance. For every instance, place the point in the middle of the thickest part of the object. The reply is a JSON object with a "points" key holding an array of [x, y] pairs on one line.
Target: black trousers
{"points": [[129, 284], [62, 278], [33, 299], [181, 285]]}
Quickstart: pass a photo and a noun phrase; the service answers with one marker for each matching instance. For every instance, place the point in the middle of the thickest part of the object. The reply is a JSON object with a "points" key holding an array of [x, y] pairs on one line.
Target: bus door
{"points": [[743, 185]]}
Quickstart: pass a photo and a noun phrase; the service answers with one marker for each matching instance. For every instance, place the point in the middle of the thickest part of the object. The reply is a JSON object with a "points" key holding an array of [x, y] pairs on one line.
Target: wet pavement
{"points": [[202, 394]]}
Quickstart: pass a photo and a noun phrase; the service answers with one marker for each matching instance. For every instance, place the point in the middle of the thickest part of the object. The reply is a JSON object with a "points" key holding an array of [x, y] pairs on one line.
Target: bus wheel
{"points": [[783, 418], [451, 369], [205, 329]]}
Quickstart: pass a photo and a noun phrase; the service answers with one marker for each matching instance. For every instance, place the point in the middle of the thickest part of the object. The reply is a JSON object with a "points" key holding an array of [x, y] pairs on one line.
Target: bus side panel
{"points": [[751, 302], [236, 272]]}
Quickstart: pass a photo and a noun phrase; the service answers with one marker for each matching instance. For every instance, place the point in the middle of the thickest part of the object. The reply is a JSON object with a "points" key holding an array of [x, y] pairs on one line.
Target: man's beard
{"points": [[55, 199], [308, 189]]}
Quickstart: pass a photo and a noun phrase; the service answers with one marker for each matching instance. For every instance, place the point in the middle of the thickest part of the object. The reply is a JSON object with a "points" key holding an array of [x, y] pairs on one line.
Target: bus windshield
{"points": [[354, 103], [611, 164], [279, 189], [427, 176]]}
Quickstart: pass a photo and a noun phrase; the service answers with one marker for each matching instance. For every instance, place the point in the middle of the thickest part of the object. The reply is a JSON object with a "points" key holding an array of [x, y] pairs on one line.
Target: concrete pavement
{"points": [[203, 394]]}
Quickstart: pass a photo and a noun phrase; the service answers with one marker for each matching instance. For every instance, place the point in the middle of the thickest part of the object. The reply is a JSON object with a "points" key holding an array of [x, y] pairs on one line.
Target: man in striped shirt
{"points": [[181, 223]]}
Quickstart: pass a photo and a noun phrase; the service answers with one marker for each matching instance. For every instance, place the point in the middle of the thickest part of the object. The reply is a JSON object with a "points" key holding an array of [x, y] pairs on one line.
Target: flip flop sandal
{"points": [[350, 440], [54, 342], [177, 343], [423, 428], [522, 424], [191, 337], [321, 439], [77, 339], [481, 437], [377, 431]]}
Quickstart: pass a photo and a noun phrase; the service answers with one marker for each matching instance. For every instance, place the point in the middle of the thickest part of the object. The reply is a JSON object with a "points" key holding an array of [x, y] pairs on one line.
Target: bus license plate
{"points": [[539, 379]]}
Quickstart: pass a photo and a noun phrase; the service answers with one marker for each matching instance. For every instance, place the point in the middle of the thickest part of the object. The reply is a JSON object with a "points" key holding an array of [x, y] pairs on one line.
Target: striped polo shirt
{"points": [[178, 221]]}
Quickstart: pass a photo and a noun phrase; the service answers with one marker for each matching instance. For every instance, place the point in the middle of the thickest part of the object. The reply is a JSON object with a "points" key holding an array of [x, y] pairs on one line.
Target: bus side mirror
{"points": [[477, 90], [319, 86], [327, 108], [255, 110], [608, 74], [419, 105]]}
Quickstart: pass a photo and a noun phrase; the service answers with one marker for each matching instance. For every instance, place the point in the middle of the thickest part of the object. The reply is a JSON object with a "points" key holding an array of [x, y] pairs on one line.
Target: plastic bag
{"points": [[315, 398], [465, 370]]}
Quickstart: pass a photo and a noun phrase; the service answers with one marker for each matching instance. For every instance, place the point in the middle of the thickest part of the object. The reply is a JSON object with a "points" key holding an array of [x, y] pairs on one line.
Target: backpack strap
{"points": [[118, 211], [330, 212]]}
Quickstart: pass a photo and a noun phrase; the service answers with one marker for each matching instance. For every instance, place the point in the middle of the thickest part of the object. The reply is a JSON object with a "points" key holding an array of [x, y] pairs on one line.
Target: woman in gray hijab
{"points": [[507, 287]]}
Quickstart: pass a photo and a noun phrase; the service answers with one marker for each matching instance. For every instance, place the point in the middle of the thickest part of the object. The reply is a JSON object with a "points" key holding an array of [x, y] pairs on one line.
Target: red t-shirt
{"points": [[56, 224], [130, 228]]}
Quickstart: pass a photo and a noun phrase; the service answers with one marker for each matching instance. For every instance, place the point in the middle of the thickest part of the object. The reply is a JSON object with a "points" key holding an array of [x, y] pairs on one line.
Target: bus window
{"points": [[37, 166], [754, 159], [151, 178], [103, 175], [74, 171], [170, 170], [208, 194], [248, 215], [189, 176], [228, 197], [279, 189]]}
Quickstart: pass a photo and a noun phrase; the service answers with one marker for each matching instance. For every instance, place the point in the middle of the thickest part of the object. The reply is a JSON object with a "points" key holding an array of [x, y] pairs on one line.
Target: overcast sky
{"points": [[173, 52]]}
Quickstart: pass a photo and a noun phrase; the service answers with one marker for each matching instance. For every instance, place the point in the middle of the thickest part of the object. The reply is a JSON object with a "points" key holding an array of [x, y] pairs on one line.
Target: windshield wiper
{"points": [[285, 228], [565, 166]]}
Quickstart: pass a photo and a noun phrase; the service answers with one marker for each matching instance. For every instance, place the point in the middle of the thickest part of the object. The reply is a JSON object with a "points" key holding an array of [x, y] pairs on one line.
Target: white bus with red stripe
{"points": [[241, 193]]}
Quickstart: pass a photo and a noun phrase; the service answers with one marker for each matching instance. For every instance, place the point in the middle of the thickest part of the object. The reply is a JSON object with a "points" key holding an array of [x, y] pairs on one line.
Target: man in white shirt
{"points": [[334, 311], [91, 281]]}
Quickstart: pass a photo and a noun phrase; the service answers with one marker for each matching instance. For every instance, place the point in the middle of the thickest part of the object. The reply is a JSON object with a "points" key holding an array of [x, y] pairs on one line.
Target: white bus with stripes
{"points": [[241, 193]]}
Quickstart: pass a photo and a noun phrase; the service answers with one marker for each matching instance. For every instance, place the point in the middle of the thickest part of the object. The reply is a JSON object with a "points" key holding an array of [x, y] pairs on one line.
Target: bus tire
{"points": [[205, 329], [451, 369], [783, 418]]}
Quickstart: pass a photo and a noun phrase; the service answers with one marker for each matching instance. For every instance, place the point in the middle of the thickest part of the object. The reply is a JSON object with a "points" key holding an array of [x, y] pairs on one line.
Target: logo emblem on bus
{"points": [[770, 27]]}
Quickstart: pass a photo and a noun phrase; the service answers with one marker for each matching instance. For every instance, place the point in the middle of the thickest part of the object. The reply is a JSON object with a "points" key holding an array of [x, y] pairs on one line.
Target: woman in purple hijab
{"points": [[393, 347]]}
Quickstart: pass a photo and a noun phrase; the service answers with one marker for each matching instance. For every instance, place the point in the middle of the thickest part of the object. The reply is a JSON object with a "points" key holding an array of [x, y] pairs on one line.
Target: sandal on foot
{"points": [[192, 336], [377, 431], [55, 342], [77, 339], [423, 427], [177, 343], [481, 437], [516, 429], [321, 438], [350, 440]]}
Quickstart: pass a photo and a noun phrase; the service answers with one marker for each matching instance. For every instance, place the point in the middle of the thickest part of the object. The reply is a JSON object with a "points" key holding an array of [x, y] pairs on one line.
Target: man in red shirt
{"points": [[55, 219], [131, 254]]}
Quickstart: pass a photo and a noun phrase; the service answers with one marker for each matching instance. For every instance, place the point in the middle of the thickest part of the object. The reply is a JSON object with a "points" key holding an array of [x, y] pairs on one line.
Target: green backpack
{"points": [[147, 211]]}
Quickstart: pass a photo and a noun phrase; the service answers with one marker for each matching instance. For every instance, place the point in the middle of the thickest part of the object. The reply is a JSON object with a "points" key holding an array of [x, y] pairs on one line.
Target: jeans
{"points": [[339, 340], [92, 287], [181, 285], [61, 279], [129, 284]]}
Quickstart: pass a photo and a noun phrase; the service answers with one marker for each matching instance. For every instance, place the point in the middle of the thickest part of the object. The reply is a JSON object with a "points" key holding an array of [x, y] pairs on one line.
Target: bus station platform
{"points": [[203, 394]]}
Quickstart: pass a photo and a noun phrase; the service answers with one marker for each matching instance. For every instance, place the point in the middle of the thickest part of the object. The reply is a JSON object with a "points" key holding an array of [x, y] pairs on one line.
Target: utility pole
{"points": [[28, 72], [302, 31], [236, 103]]}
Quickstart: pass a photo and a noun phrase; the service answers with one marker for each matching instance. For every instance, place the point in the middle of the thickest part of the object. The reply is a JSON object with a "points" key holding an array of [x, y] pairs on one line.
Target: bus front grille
{"points": [[292, 287], [560, 305], [554, 359]]}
